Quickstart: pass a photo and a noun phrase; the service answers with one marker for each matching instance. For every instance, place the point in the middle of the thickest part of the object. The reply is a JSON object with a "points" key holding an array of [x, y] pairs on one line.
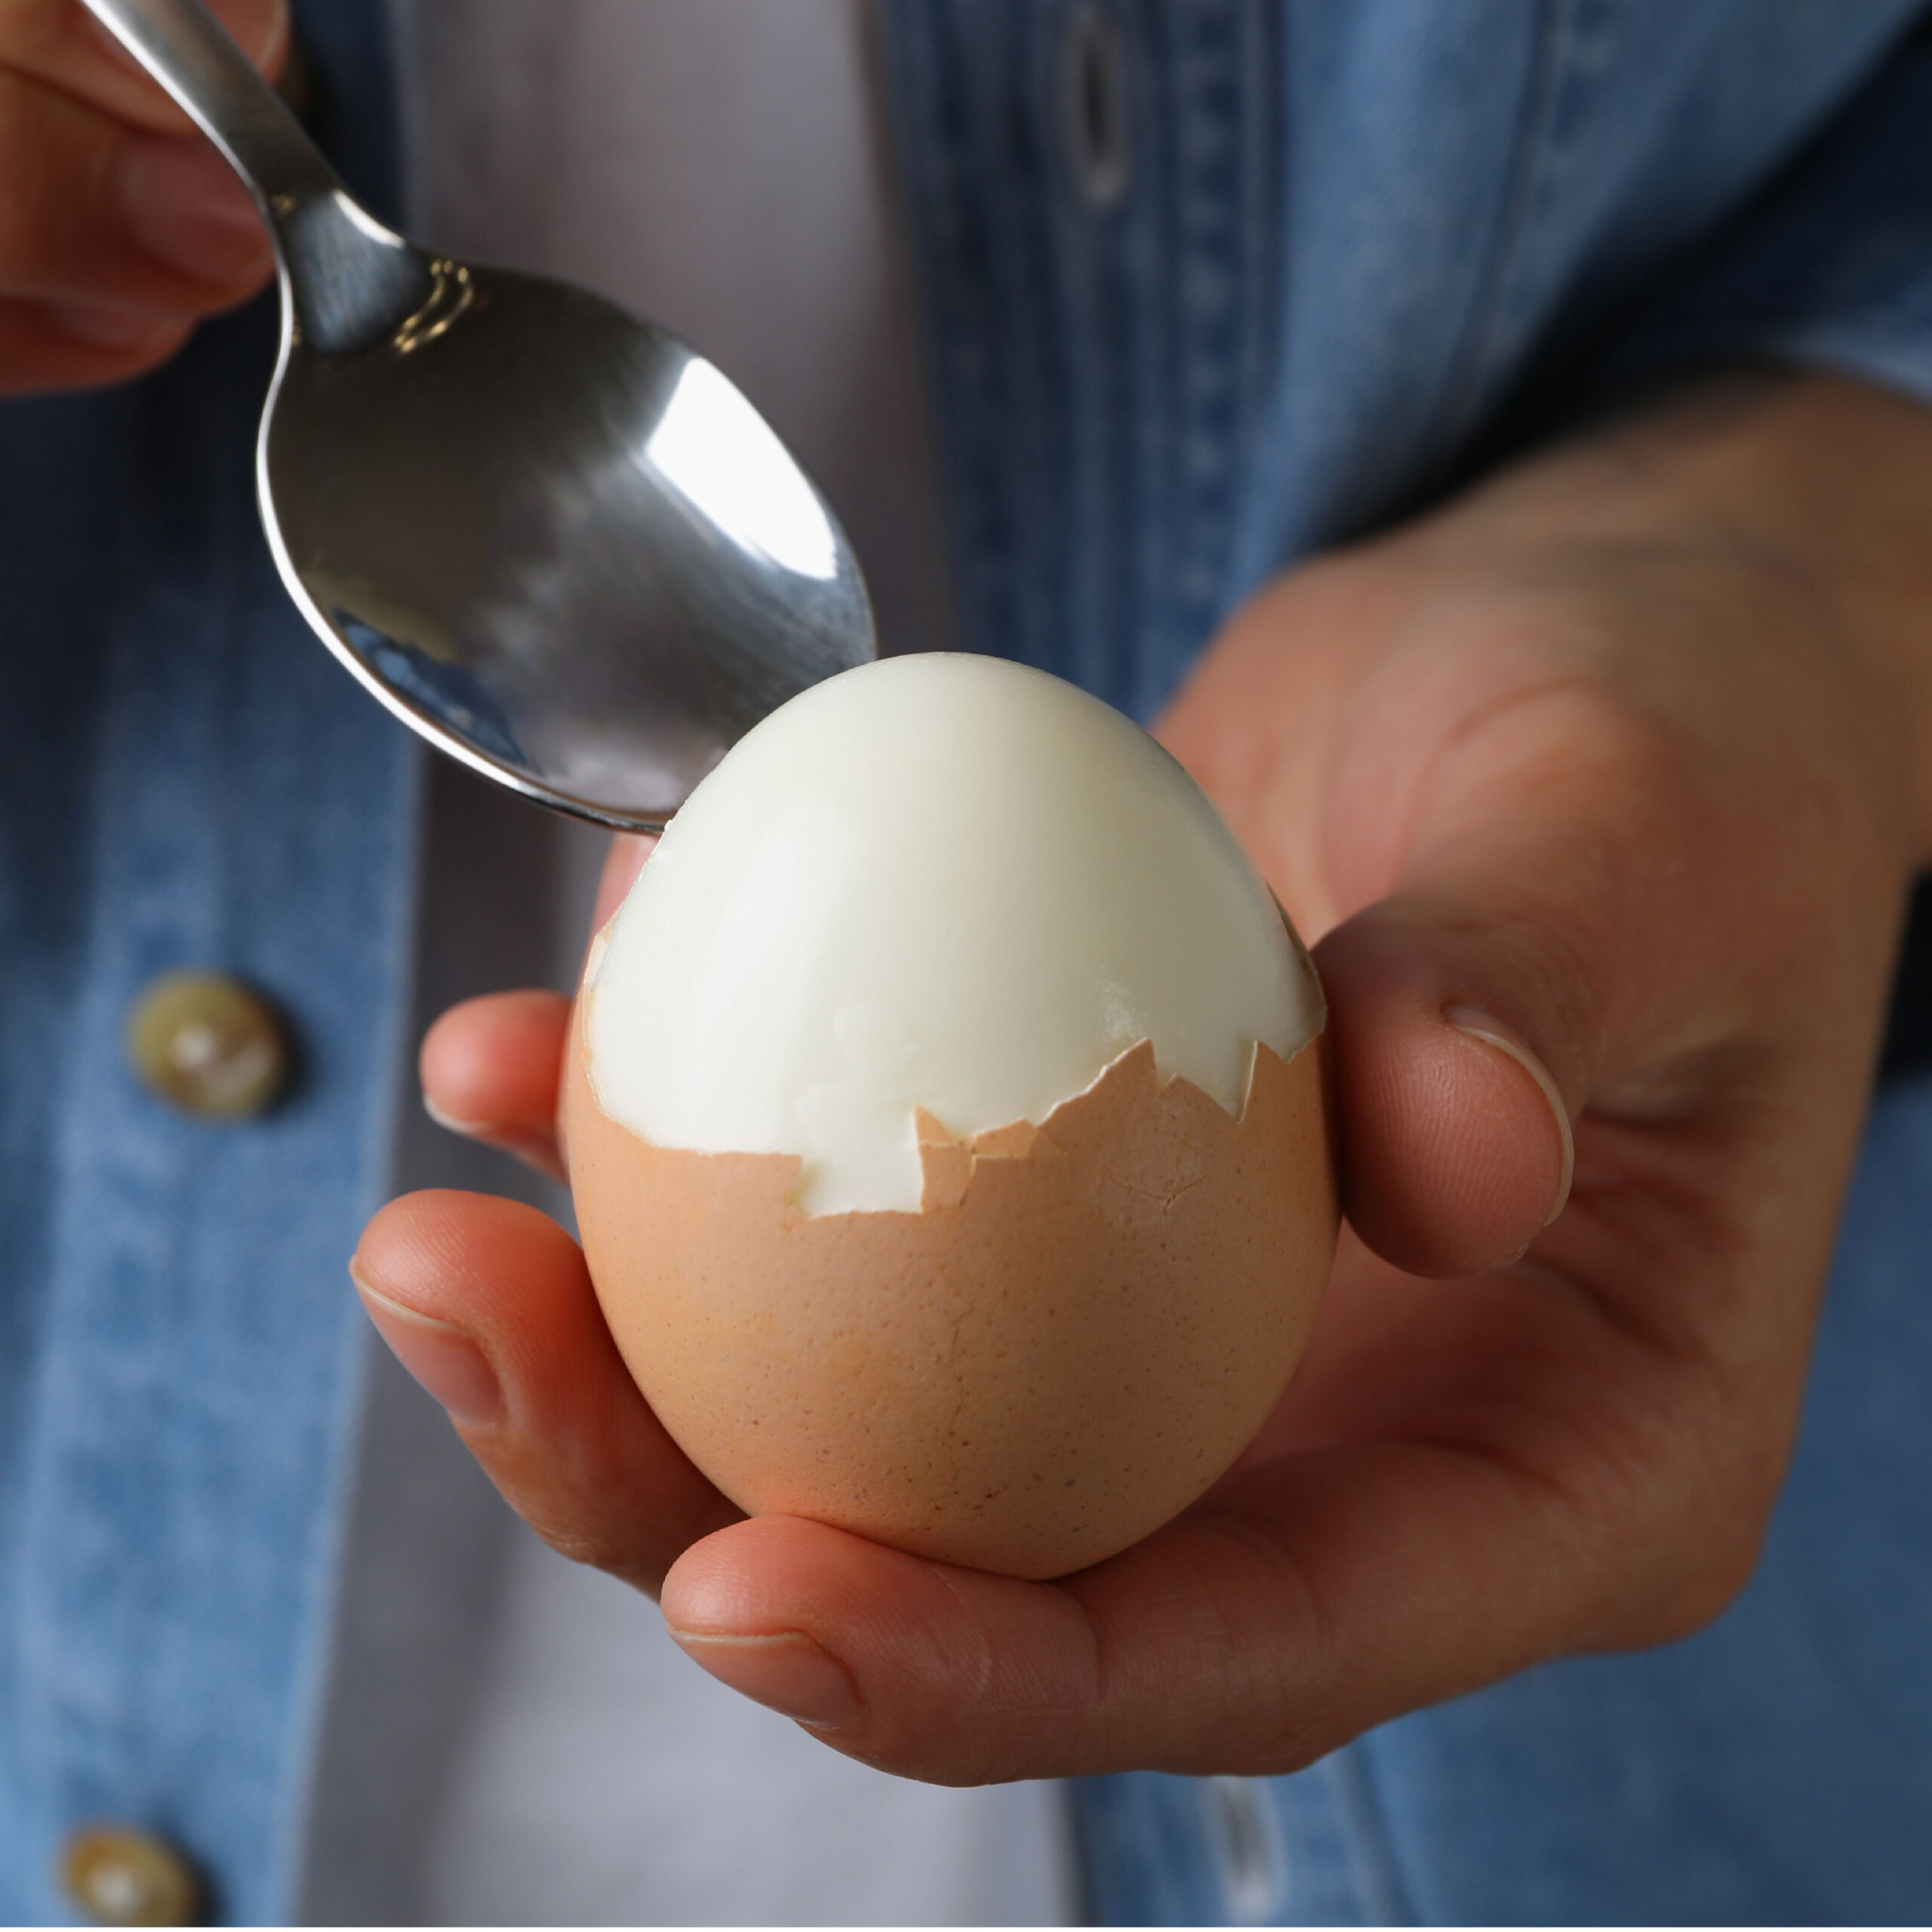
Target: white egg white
{"points": [[941, 881]]}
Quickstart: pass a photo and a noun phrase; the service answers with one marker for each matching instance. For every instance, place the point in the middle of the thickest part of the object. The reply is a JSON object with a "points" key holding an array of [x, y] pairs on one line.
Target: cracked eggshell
{"points": [[1077, 1331], [948, 1144]]}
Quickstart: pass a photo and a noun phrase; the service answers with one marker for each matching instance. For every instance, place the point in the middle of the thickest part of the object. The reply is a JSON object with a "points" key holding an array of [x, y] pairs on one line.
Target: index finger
{"points": [[59, 43]]}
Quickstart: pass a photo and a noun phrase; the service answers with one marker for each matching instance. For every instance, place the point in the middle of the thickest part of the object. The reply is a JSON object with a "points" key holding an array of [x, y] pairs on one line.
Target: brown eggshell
{"points": [[1082, 1327]]}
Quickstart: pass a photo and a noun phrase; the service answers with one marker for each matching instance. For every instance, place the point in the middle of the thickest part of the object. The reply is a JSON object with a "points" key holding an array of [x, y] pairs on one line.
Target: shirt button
{"points": [[119, 1875], [207, 1044]]}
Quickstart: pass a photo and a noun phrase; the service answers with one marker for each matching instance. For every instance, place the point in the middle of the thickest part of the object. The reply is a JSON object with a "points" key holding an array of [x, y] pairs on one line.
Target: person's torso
{"points": [[1205, 286]]}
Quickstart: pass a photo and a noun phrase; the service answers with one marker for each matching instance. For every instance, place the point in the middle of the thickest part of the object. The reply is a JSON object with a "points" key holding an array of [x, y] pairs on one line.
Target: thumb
{"points": [[1553, 908], [1456, 1134]]}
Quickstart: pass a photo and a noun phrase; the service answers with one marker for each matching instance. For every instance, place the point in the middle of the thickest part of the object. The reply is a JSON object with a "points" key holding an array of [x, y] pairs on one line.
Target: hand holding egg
{"points": [[1576, 805], [948, 1126]]}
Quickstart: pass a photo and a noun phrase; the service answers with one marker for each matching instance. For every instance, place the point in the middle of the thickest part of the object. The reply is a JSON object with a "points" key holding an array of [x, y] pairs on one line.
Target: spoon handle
{"points": [[349, 280]]}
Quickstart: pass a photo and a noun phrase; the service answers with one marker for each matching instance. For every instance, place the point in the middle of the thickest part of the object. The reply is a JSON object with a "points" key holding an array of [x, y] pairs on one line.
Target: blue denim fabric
{"points": [[1359, 247], [189, 781], [1356, 241]]}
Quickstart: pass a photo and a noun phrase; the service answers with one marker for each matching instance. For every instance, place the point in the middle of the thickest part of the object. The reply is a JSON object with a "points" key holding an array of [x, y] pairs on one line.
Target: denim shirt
{"points": [[1209, 283]]}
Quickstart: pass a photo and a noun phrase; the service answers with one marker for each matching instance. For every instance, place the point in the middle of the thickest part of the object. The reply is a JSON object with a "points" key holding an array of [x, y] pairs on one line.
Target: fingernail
{"points": [[470, 1130], [1492, 1032], [103, 328], [447, 1364], [525, 1142], [183, 203], [787, 1673]]}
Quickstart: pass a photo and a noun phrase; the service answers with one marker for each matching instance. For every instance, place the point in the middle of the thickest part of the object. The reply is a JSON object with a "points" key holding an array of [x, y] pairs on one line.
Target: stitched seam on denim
{"points": [[39, 1636], [141, 914], [81, 834], [1033, 346], [1084, 540], [992, 272], [1263, 161], [929, 110], [312, 1674], [1456, 404], [62, 1709], [1097, 332], [1219, 146]]}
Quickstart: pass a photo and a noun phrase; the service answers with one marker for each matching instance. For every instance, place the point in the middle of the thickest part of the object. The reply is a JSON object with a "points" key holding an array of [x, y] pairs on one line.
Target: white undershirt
{"points": [[724, 166], [721, 166]]}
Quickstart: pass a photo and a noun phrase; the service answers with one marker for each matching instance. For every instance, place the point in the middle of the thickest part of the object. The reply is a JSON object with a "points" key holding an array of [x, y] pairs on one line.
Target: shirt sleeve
{"points": [[1831, 267]]}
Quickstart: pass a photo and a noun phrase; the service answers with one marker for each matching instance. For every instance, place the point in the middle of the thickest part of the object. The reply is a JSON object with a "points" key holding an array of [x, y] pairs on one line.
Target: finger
{"points": [[1554, 934], [490, 1069], [95, 216], [487, 1304], [1304, 1604], [49, 346], [622, 864], [1459, 1145], [59, 42]]}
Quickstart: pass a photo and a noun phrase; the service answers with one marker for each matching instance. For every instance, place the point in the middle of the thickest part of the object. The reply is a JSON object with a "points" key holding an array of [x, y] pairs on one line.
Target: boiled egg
{"points": [[947, 1122]]}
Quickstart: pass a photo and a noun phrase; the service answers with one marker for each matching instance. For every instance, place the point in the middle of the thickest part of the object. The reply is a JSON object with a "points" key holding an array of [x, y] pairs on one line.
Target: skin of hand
{"points": [[121, 228], [1603, 783]]}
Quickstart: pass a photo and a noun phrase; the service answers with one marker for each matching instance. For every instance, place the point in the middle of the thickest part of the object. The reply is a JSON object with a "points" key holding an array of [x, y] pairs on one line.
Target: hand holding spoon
{"points": [[547, 535]]}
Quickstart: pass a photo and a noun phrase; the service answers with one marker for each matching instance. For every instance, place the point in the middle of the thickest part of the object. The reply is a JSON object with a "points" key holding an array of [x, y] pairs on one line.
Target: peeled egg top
{"points": [[941, 882]]}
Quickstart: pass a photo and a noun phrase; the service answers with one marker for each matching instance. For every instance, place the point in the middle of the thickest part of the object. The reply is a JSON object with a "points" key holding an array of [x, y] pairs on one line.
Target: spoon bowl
{"points": [[589, 583], [548, 536]]}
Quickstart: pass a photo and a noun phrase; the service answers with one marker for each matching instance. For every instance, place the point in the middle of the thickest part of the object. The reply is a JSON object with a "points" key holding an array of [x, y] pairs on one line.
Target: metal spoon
{"points": [[548, 536]]}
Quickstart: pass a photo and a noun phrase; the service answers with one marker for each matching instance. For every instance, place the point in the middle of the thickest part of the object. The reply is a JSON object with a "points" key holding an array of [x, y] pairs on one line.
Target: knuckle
{"points": [[39, 358], [54, 166]]}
